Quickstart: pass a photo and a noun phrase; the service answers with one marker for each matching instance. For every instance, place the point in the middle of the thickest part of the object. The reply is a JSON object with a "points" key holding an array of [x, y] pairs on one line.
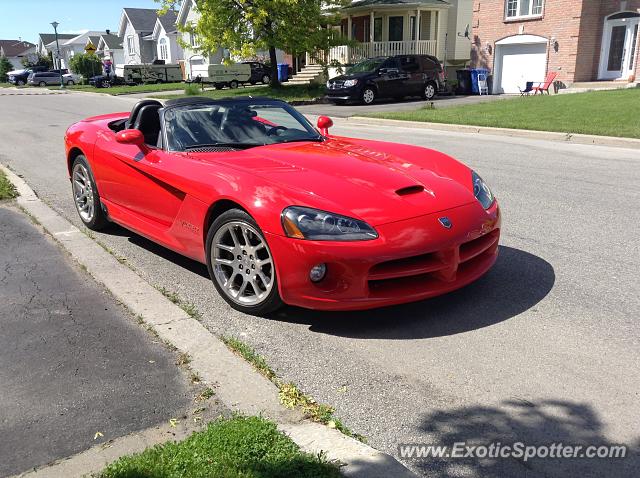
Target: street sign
{"points": [[90, 48]]}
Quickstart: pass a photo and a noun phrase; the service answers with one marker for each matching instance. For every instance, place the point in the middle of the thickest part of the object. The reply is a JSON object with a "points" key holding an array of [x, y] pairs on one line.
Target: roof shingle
{"points": [[15, 47]]}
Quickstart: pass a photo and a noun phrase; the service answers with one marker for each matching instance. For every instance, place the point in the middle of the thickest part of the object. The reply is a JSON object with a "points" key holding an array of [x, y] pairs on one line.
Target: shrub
{"points": [[86, 65], [5, 67]]}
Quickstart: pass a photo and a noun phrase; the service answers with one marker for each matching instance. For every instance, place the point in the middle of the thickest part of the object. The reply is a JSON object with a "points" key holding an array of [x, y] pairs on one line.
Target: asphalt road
{"points": [[72, 361], [545, 348]]}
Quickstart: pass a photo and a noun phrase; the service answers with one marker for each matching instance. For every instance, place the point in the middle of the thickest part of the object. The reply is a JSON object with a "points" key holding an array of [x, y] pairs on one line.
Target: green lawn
{"points": [[240, 447], [124, 90], [284, 92], [7, 191], [5, 85], [605, 113]]}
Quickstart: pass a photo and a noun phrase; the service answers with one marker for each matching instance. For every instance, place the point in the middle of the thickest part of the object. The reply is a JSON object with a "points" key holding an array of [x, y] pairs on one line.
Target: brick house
{"points": [[582, 40]]}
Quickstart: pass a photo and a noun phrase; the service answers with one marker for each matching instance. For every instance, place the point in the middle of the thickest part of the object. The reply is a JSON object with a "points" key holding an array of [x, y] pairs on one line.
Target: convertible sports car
{"points": [[281, 212]]}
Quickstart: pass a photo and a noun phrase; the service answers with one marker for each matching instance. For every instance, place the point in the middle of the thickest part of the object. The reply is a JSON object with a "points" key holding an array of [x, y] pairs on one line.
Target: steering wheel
{"points": [[275, 130]]}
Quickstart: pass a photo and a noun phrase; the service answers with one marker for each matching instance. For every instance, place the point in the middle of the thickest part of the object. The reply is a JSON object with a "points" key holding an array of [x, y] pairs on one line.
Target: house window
{"points": [[377, 29], [131, 46], [523, 8], [164, 51], [192, 39], [396, 25]]}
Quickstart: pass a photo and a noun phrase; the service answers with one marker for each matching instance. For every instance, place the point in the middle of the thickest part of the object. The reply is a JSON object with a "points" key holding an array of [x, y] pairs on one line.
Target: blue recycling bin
{"points": [[474, 79], [283, 72]]}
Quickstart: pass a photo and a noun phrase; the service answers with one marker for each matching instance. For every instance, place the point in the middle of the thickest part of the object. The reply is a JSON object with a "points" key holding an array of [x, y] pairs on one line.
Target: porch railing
{"points": [[345, 54]]}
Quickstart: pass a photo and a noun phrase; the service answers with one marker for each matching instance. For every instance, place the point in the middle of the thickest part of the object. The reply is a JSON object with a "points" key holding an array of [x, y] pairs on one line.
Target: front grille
{"points": [[434, 268], [336, 85]]}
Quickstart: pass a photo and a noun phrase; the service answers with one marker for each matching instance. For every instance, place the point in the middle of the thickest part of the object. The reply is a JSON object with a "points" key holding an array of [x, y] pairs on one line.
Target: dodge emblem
{"points": [[445, 221]]}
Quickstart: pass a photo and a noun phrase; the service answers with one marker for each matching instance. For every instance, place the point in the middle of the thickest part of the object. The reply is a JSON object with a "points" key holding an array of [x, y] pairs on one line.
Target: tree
{"points": [[36, 59], [246, 26], [86, 64], [5, 67]]}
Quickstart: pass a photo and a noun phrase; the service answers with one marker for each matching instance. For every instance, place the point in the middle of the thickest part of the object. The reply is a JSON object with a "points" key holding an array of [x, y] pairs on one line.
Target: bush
{"points": [[86, 65], [30, 61], [5, 67], [192, 89]]}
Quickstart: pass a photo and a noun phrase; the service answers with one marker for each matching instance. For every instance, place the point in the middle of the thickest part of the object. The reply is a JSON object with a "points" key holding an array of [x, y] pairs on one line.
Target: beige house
{"points": [[399, 27]]}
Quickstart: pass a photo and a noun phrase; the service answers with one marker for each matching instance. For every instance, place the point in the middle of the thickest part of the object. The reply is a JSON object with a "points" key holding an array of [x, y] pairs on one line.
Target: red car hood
{"points": [[374, 181]]}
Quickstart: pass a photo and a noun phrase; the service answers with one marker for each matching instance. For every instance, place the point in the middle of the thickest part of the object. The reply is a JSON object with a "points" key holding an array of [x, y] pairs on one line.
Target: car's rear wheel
{"points": [[266, 79], [42, 83], [233, 85], [429, 91], [85, 195], [19, 83], [70, 83], [241, 265], [368, 95]]}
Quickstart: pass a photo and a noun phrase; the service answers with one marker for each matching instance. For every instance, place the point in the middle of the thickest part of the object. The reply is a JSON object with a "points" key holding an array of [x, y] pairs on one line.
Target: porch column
{"points": [[349, 28], [372, 18], [418, 21], [438, 35]]}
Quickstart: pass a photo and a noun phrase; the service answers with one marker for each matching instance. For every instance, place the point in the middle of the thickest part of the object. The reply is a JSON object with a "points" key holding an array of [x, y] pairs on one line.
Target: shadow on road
{"points": [[516, 283], [532, 423]]}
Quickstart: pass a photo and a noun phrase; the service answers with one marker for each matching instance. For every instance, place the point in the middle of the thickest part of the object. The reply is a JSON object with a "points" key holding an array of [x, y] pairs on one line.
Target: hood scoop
{"points": [[410, 190]]}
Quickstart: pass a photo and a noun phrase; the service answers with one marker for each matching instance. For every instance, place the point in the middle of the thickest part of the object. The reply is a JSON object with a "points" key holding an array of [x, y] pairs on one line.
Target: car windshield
{"points": [[241, 124], [365, 66]]}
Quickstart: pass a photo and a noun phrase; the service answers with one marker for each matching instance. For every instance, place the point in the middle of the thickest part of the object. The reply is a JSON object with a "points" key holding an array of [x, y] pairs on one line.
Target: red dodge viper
{"points": [[281, 212]]}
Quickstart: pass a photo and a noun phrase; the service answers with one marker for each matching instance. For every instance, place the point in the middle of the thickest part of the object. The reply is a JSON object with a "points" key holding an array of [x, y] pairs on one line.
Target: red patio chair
{"points": [[542, 87]]}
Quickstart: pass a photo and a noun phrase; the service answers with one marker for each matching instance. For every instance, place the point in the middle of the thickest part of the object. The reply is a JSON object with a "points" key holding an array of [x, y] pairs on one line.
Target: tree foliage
{"points": [[86, 64], [5, 67], [247, 26], [36, 59]]}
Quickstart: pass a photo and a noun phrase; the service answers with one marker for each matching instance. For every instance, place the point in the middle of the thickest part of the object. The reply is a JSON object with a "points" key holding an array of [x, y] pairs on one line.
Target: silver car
{"points": [[44, 78]]}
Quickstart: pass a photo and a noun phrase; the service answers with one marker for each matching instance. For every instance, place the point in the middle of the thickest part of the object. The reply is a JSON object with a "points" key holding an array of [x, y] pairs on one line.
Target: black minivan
{"points": [[388, 77]]}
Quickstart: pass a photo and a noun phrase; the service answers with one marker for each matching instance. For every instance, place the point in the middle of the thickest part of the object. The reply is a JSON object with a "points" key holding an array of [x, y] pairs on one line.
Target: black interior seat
{"points": [[148, 121], [133, 116], [239, 125]]}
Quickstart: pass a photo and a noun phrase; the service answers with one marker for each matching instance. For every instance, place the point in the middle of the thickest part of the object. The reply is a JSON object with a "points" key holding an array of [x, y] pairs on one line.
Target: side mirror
{"points": [[133, 137], [324, 123]]}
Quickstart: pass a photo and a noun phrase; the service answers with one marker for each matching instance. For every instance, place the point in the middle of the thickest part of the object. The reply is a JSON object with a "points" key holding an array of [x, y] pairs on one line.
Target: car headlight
{"points": [[328, 84], [350, 83], [315, 225], [481, 191]]}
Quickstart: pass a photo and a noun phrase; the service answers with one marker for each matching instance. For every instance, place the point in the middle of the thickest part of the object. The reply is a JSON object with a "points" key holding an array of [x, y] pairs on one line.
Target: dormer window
{"points": [[515, 9]]}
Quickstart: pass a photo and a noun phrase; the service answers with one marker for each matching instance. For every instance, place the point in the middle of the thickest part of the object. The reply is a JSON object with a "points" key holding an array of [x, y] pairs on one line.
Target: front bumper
{"points": [[411, 260], [352, 93]]}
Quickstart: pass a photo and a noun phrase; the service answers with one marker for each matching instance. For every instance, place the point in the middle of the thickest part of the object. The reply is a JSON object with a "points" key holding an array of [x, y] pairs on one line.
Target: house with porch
{"points": [[71, 47], [45, 40], [400, 27], [137, 26], [165, 37], [579, 40]]}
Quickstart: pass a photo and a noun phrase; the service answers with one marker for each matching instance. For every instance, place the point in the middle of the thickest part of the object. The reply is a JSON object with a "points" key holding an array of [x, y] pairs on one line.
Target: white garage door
{"points": [[519, 64]]}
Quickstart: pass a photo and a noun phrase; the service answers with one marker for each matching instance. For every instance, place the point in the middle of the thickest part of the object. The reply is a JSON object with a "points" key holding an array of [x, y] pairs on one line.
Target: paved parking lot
{"points": [[544, 348]]}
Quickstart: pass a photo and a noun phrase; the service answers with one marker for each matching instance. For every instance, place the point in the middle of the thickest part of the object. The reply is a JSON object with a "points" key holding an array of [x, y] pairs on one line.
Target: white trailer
{"points": [[221, 75]]}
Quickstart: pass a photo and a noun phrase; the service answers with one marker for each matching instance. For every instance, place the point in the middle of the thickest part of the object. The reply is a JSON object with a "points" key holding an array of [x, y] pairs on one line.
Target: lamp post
{"points": [[55, 29]]}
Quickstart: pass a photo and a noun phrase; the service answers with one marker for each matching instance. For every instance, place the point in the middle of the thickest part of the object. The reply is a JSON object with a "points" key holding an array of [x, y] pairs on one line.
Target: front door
{"points": [[620, 40]]}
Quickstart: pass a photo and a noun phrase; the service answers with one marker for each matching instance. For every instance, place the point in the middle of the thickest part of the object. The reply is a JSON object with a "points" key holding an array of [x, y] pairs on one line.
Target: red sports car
{"points": [[281, 212]]}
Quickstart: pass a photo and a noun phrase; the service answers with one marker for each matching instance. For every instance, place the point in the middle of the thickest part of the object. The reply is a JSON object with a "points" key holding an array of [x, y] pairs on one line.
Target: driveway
{"points": [[72, 362], [544, 348]]}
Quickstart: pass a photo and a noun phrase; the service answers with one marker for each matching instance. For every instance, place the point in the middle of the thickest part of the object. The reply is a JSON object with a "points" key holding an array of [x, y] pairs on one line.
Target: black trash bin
{"points": [[464, 82]]}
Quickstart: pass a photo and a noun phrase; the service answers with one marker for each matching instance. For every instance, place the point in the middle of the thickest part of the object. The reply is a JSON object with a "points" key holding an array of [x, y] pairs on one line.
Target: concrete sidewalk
{"points": [[72, 361]]}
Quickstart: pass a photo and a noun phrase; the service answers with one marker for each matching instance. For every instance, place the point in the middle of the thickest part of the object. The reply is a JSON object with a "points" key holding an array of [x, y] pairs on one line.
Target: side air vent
{"points": [[410, 190]]}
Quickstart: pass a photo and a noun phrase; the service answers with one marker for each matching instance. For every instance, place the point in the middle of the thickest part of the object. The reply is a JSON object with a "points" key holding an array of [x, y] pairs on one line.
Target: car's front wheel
{"points": [[241, 265], [266, 79], [70, 83], [429, 91], [85, 195], [233, 85], [368, 95], [42, 83]]}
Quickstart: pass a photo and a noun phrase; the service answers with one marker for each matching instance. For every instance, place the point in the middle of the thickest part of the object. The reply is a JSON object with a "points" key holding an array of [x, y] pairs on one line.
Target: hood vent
{"points": [[410, 190]]}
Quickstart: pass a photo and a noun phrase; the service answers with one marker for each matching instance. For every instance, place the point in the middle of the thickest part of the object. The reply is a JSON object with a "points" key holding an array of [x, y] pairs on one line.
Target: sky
{"points": [[27, 18]]}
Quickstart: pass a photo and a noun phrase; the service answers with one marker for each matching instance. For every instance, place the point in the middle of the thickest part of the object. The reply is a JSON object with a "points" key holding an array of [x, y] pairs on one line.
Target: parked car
{"points": [[260, 73], [20, 77], [71, 79], [44, 78], [360, 224], [391, 77], [104, 81]]}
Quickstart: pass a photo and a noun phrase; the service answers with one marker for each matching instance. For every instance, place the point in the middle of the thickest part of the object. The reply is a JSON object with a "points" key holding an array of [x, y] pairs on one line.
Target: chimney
{"points": [[108, 31]]}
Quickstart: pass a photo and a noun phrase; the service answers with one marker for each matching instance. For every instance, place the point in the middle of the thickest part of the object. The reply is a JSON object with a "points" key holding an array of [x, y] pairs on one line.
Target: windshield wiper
{"points": [[230, 145], [317, 139]]}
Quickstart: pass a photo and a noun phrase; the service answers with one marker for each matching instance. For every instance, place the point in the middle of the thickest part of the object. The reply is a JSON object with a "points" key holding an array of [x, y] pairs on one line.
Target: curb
{"points": [[237, 384], [518, 133]]}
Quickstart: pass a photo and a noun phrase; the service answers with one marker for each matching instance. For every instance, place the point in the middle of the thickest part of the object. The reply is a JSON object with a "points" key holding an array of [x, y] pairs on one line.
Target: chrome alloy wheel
{"points": [[83, 192], [429, 91], [368, 96], [242, 263]]}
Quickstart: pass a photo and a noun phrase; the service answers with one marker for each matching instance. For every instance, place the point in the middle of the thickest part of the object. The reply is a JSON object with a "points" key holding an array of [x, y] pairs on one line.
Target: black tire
{"points": [[19, 83], [266, 79], [429, 91], [368, 95], [70, 83], [106, 84], [272, 300], [233, 84], [42, 83], [99, 220]]}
